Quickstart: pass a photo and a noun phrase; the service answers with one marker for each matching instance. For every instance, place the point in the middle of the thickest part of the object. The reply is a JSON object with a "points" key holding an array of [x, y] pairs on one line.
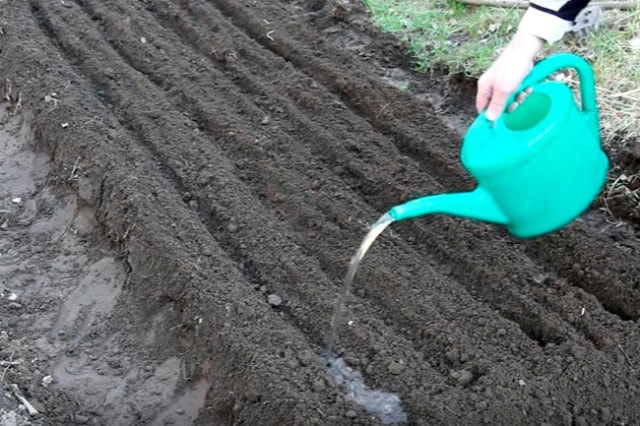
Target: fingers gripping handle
{"points": [[555, 63]]}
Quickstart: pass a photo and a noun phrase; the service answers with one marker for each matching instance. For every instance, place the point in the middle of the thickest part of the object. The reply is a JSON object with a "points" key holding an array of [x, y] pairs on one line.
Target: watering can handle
{"points": [[555, 63]]}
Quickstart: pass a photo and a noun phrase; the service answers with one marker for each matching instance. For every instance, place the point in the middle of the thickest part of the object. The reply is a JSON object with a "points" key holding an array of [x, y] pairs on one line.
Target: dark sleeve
{"points": [[567, 10]]}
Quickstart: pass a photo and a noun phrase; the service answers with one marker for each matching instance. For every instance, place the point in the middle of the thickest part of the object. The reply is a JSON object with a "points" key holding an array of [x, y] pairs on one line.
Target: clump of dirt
{"points": [[193, 179]]}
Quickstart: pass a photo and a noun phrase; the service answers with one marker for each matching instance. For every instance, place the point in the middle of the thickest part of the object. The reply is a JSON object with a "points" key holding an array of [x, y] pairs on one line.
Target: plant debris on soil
{"points": [[182, 186]]}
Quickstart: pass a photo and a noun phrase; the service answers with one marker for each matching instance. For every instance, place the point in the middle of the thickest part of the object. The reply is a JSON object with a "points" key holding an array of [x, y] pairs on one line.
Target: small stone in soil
{"points": [[351, 414], [319, 385], [305, 357], [452, 356], [396, 368], [274, 300], [79, 419], [482, 405], [463, 377], [353, 361]]}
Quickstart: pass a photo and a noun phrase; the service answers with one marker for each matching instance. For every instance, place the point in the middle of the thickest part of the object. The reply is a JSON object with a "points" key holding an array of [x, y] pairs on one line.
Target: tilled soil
{"points": [[206, 169]]}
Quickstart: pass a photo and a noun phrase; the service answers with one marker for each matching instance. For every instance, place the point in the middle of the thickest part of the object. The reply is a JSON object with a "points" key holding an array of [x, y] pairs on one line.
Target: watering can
{"points": [[538, 167]]}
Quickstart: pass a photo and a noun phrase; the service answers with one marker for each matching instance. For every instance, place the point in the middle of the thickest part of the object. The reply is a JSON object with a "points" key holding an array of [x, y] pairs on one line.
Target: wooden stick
{"points": [[30, 408]]}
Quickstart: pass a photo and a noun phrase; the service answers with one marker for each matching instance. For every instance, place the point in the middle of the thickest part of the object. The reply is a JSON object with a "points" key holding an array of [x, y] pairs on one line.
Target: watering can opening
{"points": [[530, 113]]}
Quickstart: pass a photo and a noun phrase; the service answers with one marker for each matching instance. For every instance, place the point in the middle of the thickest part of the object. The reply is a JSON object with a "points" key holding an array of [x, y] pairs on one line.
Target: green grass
{"points": [[468, 38]]}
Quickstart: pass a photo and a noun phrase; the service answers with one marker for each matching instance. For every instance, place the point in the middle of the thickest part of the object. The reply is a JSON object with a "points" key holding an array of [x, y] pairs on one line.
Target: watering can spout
{"points": [[477, 204]]}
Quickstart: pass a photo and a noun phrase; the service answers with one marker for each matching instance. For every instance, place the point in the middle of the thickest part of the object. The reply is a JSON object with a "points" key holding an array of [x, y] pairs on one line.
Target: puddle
{"points": [[94, 297], [186, 407], [58, 290], [386, 406]]}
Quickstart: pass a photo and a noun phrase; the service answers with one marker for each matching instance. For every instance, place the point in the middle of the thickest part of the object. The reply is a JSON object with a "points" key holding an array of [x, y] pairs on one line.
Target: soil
{"points": [[182, 186]]}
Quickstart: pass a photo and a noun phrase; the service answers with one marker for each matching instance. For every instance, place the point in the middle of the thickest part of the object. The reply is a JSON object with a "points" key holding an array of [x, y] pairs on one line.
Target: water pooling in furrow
{"points": [[386, 406]]}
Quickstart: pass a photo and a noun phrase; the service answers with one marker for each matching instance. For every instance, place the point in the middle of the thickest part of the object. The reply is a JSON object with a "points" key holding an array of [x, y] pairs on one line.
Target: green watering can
{"points": [[538, 167]]}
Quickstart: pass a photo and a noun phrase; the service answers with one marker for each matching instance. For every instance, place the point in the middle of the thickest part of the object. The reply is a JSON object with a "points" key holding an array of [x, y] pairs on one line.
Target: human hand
{"points": [[506, 74]]}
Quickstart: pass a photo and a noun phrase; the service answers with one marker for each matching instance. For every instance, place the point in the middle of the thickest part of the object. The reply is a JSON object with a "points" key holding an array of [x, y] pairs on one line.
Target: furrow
{"points": [[294, 96], [571, 253], [386, 109], [75, 54]]}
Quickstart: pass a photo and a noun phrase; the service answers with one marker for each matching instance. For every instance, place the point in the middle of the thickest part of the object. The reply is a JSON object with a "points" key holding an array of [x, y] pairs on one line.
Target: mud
{"points": [[180, 164]]}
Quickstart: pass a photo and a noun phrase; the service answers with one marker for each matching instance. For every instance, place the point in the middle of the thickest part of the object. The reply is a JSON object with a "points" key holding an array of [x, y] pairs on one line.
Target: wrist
{"points": [[525, 44]]}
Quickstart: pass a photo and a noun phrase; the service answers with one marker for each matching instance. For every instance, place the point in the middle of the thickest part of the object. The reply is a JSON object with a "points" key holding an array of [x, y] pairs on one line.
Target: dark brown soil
{"points": [[196, 157]]}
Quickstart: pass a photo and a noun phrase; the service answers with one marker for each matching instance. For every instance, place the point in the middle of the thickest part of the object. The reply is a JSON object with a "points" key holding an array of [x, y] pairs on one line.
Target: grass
{"points": [[467, 39]]}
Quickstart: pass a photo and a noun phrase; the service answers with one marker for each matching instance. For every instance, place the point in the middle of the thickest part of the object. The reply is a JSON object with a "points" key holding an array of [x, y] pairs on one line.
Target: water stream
{"points": [[386, 406], [338, 314]]}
